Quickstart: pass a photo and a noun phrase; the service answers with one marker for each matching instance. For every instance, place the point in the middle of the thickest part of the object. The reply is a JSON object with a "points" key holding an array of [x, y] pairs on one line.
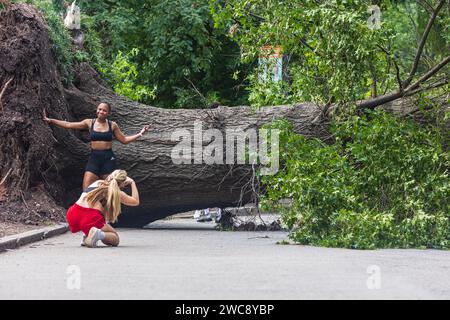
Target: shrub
{"points": [[123, 74], [92, 43], [383, 183]]}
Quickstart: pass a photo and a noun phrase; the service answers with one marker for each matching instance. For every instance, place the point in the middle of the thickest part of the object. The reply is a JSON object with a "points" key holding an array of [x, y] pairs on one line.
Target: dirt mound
{"points": [[29, 82], [35, 207]]}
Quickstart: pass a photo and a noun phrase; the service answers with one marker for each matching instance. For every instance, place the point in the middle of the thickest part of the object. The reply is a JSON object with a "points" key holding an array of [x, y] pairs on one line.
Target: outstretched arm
{"points": [[132, 200], [127, 139], [66, 124]]}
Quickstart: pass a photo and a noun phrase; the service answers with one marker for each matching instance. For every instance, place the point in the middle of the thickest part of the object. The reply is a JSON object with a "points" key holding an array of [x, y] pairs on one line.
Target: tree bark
{"points": [[167, 188]]}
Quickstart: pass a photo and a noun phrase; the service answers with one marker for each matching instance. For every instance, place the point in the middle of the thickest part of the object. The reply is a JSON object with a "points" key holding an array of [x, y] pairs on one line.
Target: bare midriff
{"points": [[101, 145]]}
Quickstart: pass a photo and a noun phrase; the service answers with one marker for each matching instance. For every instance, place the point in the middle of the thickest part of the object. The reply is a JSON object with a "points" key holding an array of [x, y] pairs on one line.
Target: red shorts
{"points": [[83, 219]]}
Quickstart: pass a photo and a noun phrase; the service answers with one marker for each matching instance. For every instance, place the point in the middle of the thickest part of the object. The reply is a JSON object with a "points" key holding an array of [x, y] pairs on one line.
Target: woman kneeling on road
{"points": [[101, 203]]}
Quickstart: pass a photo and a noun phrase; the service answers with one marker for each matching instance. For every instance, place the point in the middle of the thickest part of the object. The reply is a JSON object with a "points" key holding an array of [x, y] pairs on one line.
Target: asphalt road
{"points": [[184, 259]]}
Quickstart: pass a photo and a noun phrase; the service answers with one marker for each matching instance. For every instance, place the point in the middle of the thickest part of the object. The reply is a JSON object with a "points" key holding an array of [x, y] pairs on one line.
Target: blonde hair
{"points": [[109, 190]]}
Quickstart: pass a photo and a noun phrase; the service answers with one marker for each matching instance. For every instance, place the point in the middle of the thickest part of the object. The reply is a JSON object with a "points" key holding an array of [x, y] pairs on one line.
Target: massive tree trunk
{"points": [[35, 153], [165, 187]]}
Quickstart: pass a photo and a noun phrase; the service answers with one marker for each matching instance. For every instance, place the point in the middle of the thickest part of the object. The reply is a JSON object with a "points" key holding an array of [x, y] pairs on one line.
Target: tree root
{"points": [[3, 91]]}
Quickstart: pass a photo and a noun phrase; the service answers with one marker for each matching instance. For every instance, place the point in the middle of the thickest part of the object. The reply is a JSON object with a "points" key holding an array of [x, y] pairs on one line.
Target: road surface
{"points": [[184, 259]]}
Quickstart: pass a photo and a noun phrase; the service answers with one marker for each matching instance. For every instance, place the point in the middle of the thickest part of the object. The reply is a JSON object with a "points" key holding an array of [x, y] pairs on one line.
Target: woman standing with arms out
{"points": [[101, 203], [102, 160]]}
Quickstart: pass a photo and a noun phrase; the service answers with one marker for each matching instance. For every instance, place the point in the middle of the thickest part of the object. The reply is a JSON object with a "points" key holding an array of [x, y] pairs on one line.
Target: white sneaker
{"points": [[92, 238]]}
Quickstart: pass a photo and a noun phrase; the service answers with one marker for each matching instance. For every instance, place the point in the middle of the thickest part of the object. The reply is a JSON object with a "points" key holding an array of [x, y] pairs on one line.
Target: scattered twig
{"points": [[7, 174], [198, 173], [433, 86], [429, 74], [314, 50], [2, 92], [224, 177], [197, 91], [397, 70], [23, 199]]}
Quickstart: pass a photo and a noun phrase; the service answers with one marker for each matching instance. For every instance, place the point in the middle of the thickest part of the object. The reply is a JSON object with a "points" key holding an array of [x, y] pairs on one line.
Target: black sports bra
{"points": [[101, 136]]}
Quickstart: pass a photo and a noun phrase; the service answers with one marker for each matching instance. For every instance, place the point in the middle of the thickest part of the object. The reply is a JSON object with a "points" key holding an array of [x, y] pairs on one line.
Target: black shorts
{"points": [[101, 162]]}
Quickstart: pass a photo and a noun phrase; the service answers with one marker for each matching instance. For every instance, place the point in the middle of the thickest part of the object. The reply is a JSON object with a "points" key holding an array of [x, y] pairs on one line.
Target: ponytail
{"points": [[109, 190], [113, 207]]}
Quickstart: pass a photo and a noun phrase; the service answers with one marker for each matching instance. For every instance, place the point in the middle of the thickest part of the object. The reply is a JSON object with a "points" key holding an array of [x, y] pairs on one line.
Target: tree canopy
{"points": [[341, 51]]}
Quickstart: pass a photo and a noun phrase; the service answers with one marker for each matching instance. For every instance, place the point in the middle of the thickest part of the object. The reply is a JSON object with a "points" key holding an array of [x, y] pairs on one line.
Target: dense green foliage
{"points": [[335, 54], [383, 183], [181, 60], [195, 52], [93, 47], [190, 63], [123, 75]]}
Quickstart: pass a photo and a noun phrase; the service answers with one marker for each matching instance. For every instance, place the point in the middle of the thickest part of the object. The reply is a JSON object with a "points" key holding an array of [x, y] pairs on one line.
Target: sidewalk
{"points": [[16, 240]]}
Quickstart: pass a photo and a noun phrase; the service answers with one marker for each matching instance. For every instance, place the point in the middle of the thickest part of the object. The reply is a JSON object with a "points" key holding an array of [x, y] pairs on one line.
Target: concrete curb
{"points": [[16, 240]]}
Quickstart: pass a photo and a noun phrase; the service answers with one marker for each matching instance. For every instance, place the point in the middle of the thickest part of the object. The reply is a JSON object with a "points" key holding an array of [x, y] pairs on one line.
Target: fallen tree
{"points": [[166, 187], [35, 154]]}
